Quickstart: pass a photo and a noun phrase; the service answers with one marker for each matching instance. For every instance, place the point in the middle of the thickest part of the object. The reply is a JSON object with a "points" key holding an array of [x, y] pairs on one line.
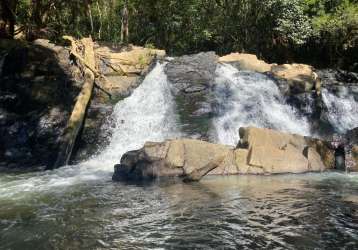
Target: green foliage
{"points": [[292, 24], [342, 24], [278, 30], [335, 27]]}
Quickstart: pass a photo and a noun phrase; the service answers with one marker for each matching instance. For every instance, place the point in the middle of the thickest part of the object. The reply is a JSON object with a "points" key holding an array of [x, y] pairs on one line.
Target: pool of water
{"points": [[310, 211]]}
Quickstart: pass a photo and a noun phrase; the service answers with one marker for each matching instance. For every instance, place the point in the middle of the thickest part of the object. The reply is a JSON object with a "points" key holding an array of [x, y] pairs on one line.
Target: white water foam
{"points": [[342, 111], [147, 115], [246, 98]]}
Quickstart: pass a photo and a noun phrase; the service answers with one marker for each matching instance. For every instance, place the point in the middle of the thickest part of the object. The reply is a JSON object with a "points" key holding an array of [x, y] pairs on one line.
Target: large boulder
{"points": [[337, 77], [37, 92], [192, 73], [283, 149], [260, 151], [291, 78], [131, 60], [246, 62], [300, 77], [355, 157], [351, 153], [124, 68], [170, 158], [192, 78]]}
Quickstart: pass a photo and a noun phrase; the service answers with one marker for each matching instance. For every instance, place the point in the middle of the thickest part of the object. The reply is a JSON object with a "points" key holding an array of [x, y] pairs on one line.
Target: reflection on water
{"points": [[282, 212]]}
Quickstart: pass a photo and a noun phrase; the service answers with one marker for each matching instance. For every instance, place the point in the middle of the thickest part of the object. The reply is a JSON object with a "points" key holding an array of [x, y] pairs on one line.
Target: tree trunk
{"points": [[89, 12], [78, 114], [100, 22], [124, 27]]}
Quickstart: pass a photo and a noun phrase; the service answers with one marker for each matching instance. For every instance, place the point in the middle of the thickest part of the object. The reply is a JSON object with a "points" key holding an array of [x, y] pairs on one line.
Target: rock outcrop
{"points": [[130, 60], [37, 91], [304, 87], [277, 152], [260, 151], [39, 86], [291, 78], [351, 155], [192, 78], [246, 62], [123, 67]]}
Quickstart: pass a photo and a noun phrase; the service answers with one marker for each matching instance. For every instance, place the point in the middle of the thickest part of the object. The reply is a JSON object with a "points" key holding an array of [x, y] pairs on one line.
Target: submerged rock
{"points": [[260, 151]]}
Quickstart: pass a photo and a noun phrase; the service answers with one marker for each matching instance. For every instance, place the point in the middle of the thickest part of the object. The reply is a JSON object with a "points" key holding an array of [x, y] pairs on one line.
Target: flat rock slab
{"points": [[261, 151]]}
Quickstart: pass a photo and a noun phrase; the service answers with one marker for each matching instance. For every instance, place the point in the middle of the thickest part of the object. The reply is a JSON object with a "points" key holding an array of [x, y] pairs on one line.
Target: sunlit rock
{"points": [[260, 151]]}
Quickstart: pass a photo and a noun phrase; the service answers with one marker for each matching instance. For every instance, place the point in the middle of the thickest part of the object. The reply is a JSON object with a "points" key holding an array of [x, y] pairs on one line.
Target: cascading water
{"points": [[251, 99], [78, 207], [342, 110], [147, 115]]}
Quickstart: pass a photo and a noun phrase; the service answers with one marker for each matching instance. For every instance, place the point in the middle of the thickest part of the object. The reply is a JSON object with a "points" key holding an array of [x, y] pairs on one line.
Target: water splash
{"points": [[342, 111], [147, 115], [251, 99]]}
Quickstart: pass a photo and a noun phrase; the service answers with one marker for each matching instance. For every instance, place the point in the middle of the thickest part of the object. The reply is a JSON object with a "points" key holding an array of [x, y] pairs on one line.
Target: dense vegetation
{"points": [[322, 32]]}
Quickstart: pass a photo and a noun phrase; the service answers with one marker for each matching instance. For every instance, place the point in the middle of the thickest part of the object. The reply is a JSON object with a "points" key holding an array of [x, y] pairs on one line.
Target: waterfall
{"points": [[245, 98], [342, 110], [147, 115]]}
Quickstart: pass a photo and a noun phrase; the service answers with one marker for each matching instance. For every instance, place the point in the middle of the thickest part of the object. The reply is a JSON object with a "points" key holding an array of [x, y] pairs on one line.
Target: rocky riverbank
{"points": [[40, 83], [260, 152], [39, 86]]}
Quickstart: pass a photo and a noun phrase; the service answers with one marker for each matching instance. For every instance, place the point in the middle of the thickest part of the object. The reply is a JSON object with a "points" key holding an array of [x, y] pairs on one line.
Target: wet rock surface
{"points": [[351, 148], [309, 91], [37, 93], [192, 78], [337, 77], [39, 86]]}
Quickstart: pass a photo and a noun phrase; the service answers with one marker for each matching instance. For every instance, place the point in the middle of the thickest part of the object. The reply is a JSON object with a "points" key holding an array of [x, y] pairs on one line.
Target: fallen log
{"points": [[197, 174], [78, 57], [121, 72], [77, 117]]}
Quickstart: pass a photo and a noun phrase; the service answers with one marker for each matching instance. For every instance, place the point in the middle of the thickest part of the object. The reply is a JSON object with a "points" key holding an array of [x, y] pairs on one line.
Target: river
{"points": [[79, 207]]}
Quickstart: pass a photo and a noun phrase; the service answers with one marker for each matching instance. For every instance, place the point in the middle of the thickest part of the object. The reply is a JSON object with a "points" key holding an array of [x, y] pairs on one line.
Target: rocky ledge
{"points": [[260, 151], [39, 84]]}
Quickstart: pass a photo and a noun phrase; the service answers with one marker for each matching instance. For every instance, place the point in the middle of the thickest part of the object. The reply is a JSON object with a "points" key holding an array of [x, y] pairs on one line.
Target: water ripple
{"points": [[279, 212]]}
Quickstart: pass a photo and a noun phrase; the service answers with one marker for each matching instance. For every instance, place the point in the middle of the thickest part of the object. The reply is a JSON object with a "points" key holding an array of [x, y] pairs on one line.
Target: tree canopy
{"points": [[319, 31]]}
